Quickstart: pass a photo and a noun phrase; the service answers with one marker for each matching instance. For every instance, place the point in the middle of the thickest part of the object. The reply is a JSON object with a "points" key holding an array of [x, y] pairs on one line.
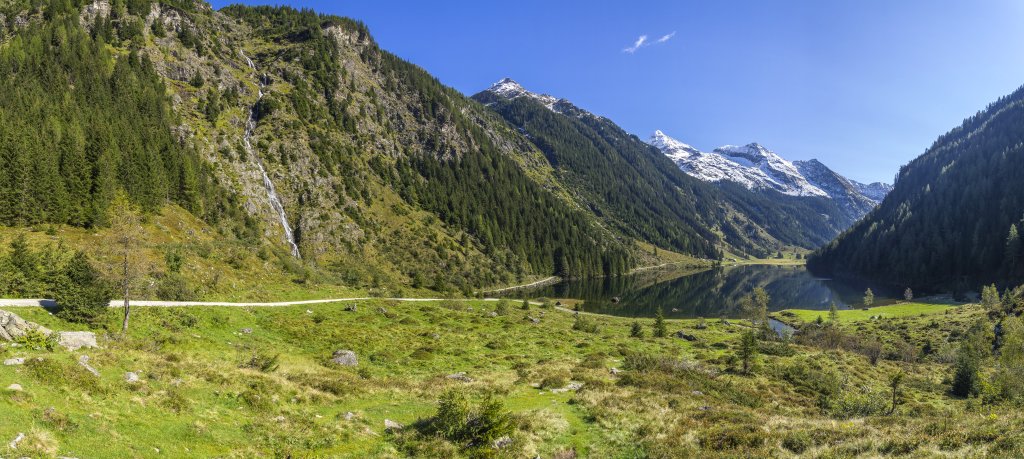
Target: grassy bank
{"points": [[207, 389]]}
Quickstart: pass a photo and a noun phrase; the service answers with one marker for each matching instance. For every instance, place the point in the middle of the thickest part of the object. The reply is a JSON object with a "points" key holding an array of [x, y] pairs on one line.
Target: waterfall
{"points": [[250, 126]]}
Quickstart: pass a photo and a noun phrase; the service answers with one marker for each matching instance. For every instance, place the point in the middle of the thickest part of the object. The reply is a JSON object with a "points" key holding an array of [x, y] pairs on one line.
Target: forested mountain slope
{"points": [[954, 215], [266, 119], [639, 191]]}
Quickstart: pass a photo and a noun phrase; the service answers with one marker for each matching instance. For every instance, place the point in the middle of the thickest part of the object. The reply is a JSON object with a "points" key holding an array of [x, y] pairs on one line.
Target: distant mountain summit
{"points": [[758, 168]]}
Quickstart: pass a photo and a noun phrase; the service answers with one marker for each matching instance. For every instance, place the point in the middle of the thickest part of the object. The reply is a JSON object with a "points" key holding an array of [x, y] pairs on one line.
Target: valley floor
{"points": [[250, 382]]}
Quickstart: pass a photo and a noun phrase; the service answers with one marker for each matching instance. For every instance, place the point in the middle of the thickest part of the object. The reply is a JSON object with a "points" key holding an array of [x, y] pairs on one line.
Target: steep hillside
{"points": [[954, 215], [639, 192], [285, 129]]}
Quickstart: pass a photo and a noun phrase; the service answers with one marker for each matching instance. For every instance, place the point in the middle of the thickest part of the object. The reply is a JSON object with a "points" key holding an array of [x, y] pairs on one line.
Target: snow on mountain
{"points": [[752, 166], [875, 191], [508, 89], [757, 167]]}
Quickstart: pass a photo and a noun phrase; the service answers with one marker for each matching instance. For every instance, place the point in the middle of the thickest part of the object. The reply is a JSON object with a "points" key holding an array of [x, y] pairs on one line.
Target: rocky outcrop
{"points": [[13, 327], [75, 340], [345, 358]]}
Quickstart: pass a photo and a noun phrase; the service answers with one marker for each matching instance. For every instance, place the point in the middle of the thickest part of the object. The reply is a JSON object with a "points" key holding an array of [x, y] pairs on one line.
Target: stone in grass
{"points": [[14, 361], [683, 335], [392, 426], [75, 340], [352, 307], [503, 442], [345, 357], [246, 331], [15, 387], [131, 377], [460, 376], [84, 362]]}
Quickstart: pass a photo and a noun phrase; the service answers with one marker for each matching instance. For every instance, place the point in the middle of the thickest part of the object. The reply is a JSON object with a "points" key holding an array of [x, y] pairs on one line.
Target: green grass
{"points": [[689, 399], [859, 315]]}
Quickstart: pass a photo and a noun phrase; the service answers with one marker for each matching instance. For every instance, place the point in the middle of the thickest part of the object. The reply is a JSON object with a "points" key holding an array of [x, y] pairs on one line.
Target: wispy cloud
{"points": [[642, 42], [636, 45]]}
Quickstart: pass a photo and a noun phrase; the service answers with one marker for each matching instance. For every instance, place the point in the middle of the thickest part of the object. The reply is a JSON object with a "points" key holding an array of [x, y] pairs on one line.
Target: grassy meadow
{"points": [[257, 382]]}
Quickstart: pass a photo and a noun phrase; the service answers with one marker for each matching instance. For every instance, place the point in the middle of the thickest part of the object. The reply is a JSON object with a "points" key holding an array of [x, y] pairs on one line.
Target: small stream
{"points": [[250, 126]]}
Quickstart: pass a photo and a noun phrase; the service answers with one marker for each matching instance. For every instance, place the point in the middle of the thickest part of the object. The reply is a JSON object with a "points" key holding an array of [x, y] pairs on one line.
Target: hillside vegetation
{"points": [[953, 218], [240, 382]]}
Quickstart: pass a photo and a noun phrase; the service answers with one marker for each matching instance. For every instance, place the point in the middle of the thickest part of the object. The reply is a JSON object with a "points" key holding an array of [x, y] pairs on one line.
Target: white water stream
{"points": [[250, 126]]}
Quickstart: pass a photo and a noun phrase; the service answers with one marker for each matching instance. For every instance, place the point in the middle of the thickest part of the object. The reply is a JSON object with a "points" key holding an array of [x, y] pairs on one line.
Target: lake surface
{"points": [[711, 293]]}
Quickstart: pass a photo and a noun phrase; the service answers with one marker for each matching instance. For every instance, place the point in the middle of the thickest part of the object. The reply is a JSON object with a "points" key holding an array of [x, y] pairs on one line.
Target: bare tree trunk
{"points": [[127, 313]]}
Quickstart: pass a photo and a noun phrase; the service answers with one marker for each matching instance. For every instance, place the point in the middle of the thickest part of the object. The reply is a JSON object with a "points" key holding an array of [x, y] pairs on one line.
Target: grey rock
{"points": [[13, 327], [392, 425], [345, 357], [17, 439], [683, 335], [614, 371], [84, 362], [131, 377], [502, 442], [349, 416], [492, 314], [15, 387], [352, 307], [697, 393], [14, 361], [246, 331], [460, 376], [76, 340]]}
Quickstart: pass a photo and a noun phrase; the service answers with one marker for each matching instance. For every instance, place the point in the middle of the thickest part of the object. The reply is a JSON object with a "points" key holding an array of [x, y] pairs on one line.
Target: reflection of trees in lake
{"points": [[710, 293]]}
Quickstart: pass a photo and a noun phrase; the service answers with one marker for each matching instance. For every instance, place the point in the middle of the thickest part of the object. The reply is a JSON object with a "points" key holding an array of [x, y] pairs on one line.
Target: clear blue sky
{"points": [[863, 86]]}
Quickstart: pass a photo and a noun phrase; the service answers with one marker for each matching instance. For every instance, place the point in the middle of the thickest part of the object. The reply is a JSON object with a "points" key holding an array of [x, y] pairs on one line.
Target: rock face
{"points": [[76, 340], [345, 358], [13, 327]]}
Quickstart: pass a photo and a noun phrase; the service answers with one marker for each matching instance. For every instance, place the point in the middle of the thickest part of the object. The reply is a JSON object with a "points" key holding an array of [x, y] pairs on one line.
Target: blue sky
{"points": [[863, 86]]}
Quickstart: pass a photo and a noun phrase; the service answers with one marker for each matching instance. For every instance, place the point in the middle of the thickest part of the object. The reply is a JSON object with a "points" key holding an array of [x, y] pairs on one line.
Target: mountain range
{"points": [[294, 133], [758, 168]]}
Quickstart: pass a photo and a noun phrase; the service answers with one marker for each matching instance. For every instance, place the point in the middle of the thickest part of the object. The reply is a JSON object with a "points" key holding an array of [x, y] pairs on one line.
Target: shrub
{"points": [[584, 324], [637, 330], [174, 287], [473, 429], [797, 441], [262, 362], [554, 381], [502, 307], [82, 295]]}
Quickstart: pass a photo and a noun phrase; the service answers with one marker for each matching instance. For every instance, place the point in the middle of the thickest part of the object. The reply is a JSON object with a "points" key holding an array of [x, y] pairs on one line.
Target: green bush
{"points": [[262, 362], [82, 295], [475, 429], [174, 287]]}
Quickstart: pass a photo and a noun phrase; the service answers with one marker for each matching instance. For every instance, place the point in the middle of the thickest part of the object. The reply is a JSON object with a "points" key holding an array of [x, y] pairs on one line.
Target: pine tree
{"points": [[660, 329], [747, 350], [637, 330], [81, 293], [833, 313], [869, 298], [990, 298], [908, 294]]}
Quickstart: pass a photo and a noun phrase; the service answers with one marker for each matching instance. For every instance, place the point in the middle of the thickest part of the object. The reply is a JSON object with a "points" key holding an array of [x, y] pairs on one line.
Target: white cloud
{"points": [[636, 45], [644, 42]]}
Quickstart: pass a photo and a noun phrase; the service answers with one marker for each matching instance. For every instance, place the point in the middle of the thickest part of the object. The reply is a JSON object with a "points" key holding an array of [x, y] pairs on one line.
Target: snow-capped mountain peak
{"points": [[756, 167], [667, 144], [751, 165], [507, 88]]}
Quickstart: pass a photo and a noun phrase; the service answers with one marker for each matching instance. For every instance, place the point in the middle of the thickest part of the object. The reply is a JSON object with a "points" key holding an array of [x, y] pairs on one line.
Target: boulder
{"points": [[345, 358], [683, 335], [460, 376], [84, 362], [131, 377], [352, 307], [15, 387], [75, 340], [392, 425], [13, 327], [14, 361], [502, 442]]}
